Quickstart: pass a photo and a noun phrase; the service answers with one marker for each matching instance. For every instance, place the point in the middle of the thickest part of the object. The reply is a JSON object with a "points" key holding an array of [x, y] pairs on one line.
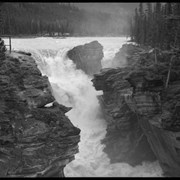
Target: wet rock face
{"points": [[147, 109], [87, 57], [158, 109], [36, 140], [125, 141], [123, 57]]}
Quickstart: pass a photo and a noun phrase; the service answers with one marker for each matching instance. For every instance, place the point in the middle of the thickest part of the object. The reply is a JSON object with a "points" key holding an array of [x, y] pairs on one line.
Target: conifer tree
{"points": [[149, 23], [2, 46], [141, 24], [157, 26]]}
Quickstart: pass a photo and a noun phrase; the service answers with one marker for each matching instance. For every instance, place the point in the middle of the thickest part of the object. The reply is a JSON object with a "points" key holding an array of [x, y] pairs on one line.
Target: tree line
{"points": [[37, 18], [156, 24], [54, 19]]}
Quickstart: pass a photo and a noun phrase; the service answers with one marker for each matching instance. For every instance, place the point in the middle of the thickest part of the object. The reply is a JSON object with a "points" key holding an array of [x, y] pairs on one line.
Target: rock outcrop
{"points": [[125, 140], [128, 55], [36, 137], [87, 57], [141, 96], [24, 53]]}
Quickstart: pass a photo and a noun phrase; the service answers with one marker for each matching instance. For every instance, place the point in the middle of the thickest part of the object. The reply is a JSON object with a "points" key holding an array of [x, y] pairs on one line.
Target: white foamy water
{"points": [[73, 87]]}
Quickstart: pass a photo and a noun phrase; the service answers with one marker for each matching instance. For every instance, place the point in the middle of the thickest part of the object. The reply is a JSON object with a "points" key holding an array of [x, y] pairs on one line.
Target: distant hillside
{"points": [[112, 8], [120, 14], [58, 18]]}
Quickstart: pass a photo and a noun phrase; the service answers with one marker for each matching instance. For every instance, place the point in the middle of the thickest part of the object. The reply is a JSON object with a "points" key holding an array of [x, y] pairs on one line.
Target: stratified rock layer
{"points": [[87, 57], [137, 97], [125, 140], [35, 139]]}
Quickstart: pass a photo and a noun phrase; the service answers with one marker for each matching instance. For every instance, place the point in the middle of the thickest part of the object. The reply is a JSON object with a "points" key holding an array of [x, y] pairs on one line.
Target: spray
{"points": [[73, 88]]}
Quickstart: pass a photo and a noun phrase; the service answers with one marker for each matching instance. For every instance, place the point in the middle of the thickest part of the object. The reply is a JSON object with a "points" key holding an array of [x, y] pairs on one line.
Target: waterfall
{"points": [[73, 88]]}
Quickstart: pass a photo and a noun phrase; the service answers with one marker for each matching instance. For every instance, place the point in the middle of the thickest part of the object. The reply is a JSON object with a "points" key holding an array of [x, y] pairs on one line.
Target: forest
{"points": [[54, 19], [157, 25]]}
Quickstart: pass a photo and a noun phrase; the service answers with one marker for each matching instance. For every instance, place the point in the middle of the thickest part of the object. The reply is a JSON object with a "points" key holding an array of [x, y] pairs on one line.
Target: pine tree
{"points": [[158, 27], [176, 23], [131, 29], [168, 26], [145, 29], [149, 24], [2, 46], [141, 24], [1, 20], [157, 15], [136, 27]]}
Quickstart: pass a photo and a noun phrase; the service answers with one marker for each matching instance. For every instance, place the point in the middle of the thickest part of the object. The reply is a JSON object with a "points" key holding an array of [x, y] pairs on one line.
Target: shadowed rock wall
{"points": [[139, 108], [36, 139]]}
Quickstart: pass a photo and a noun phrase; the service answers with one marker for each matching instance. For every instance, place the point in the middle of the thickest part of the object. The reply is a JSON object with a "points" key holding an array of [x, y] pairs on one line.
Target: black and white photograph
{"points": [[89, 89]]}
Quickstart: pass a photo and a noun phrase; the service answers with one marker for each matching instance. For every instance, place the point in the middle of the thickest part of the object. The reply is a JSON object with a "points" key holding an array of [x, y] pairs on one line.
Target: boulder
{"points": [[87, 57]]}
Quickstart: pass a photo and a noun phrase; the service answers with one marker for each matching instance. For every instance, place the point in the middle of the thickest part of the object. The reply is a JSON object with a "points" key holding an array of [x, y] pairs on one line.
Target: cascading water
{"points": [[73, 87]]}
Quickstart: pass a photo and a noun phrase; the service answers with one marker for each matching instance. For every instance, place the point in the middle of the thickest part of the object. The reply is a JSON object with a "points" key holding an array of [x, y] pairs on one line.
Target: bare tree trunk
{"points": [[169, 71]]}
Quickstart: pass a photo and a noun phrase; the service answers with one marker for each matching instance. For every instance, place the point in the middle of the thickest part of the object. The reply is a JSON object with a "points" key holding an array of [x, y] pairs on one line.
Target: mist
{"points": [[113, 21], [73, 88]]}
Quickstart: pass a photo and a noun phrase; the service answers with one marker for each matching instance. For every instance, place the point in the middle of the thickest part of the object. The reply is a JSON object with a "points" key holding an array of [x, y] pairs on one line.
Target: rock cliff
{"points": [[125, 140], [141, 107], [36, 137], [87, 57]]}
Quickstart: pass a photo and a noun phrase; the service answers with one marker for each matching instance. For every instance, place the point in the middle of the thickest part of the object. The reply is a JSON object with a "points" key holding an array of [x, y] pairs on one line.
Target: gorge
{"points": [[120, 133]]}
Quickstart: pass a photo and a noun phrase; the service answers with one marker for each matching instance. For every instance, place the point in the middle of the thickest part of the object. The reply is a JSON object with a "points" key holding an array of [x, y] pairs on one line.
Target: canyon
{"points": [[139, 103]]}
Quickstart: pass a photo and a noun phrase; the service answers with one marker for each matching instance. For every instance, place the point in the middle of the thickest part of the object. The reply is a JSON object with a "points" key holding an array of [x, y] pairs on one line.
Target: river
{"points": [[74, 88]]}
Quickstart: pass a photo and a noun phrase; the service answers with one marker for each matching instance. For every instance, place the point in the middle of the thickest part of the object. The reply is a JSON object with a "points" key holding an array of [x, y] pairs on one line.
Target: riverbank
{"points": [[38, 36], [36, 138], [141, 106]]}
